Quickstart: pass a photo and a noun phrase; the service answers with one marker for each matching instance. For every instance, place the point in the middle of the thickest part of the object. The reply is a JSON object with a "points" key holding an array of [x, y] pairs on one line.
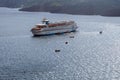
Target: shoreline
{"points": [[20, 9]]}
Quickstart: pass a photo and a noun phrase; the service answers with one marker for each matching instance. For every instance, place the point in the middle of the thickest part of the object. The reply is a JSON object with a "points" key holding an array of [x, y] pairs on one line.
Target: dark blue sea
{"points": [[88, 56]]}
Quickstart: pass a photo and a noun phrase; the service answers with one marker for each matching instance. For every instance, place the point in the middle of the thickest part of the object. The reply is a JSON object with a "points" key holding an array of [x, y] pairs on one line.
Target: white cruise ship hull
{"points": [[54, 30]]}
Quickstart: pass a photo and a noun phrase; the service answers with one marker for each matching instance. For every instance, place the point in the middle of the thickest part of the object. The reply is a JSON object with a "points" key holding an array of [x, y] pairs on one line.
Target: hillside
{"points": [[84, 7]]}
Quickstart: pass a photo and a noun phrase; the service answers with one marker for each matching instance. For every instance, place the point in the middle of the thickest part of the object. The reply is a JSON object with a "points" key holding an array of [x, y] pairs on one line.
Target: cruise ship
{"points": [[47, 28]]}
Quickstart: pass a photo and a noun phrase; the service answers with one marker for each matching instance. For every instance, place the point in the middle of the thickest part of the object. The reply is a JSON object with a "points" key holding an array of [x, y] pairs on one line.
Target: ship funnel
{"points": [[45, 21]]}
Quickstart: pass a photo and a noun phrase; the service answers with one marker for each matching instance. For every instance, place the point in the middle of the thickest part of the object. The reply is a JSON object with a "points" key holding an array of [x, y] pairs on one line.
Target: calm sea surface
{"points": [[87, 56]]}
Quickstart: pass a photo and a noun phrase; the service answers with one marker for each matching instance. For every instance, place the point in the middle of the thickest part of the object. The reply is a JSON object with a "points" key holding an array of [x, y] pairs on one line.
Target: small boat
{"points": [[47, 28]]}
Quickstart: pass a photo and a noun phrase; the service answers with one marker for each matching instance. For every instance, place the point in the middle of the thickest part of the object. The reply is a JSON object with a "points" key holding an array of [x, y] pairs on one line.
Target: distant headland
{"points": [[80, 7]]}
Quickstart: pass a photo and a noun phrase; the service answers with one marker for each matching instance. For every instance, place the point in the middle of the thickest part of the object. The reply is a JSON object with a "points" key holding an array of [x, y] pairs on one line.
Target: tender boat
{"points": [[47, 28]]}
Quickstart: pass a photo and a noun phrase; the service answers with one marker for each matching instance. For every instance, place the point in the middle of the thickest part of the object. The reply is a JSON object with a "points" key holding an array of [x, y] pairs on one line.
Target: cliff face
{"points": [[89, 7], [10, 3], [13, 3], [74, 9]]}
